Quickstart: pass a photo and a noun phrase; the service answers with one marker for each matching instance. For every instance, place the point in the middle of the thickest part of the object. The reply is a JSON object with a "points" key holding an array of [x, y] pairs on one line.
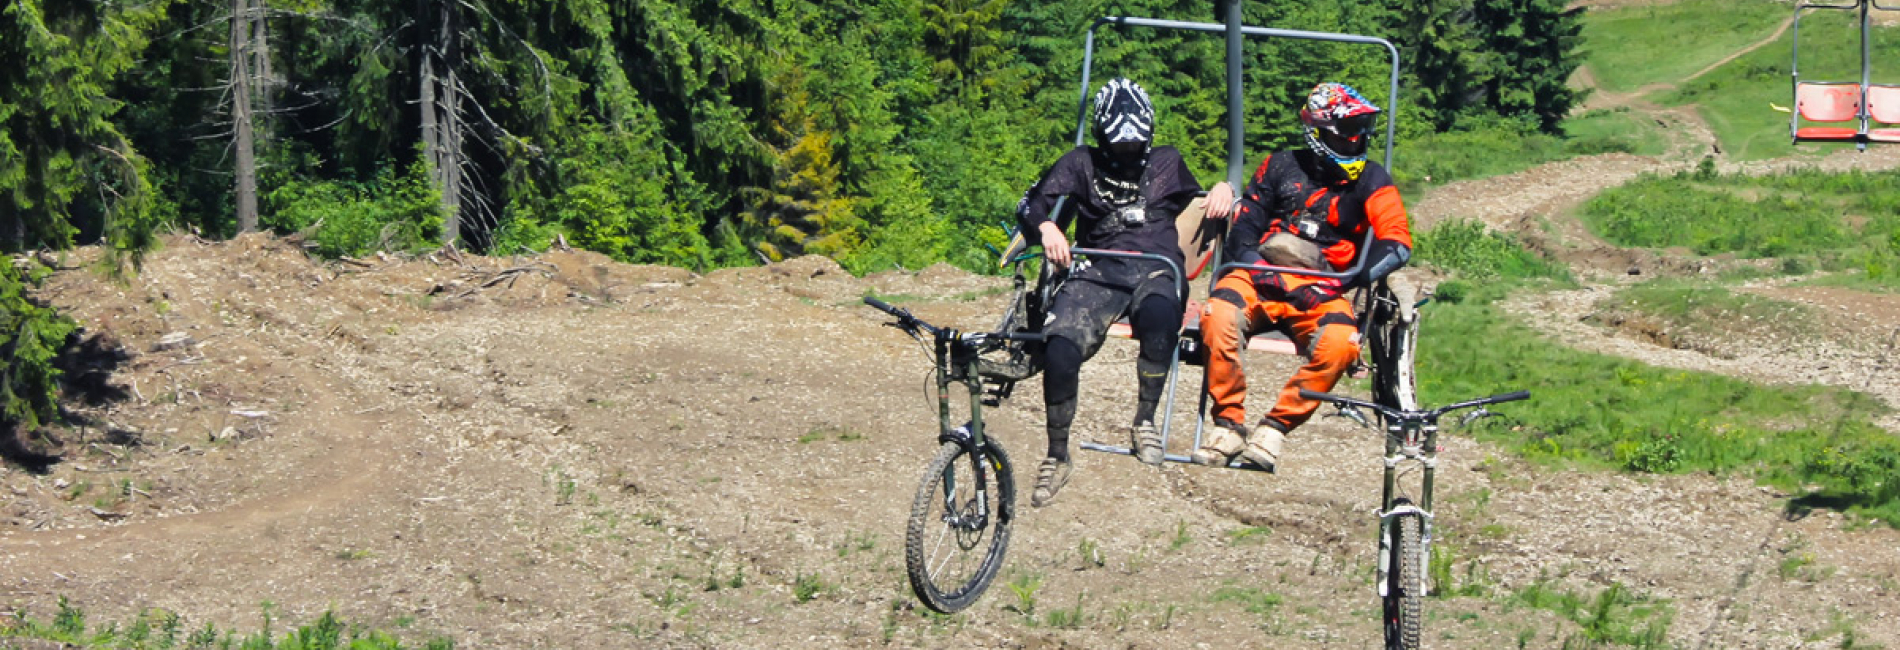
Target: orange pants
{"points": [[1327, 336]]}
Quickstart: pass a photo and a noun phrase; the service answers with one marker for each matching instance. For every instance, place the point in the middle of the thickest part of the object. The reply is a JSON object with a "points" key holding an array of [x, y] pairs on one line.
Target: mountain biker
{"points": [[1126, 194], [1306, 208]]}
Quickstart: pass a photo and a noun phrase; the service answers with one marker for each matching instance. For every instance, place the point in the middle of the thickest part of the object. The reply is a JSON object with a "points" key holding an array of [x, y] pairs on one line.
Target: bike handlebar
{"points": [[906, 321], [1431, 414]]}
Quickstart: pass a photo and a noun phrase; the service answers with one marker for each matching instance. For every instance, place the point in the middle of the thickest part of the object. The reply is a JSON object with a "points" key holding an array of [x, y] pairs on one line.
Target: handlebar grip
{"points": [[1026, 337], [1510, 397], [1315, 395], [882, 305]]}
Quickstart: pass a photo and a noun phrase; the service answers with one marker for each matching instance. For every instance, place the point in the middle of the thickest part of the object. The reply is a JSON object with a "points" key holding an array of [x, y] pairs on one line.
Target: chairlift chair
{"points": [[1201, 238], [1844, 111]]}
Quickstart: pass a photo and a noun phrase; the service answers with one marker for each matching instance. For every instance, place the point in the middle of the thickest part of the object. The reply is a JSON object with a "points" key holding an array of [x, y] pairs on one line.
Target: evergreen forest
{"points": [[693, 133]]}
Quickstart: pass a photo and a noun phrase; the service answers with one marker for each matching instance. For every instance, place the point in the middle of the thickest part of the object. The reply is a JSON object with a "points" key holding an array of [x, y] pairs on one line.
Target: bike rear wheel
{"points": [[1403, 606], [959, 526]]}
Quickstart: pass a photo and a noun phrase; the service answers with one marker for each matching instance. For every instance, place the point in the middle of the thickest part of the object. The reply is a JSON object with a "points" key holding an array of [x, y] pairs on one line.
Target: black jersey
{"points": [[1111, 213]]}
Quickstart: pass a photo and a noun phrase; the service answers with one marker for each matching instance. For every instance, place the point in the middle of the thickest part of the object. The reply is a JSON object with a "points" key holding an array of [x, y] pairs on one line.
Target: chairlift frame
{"points": [[1236, 175], [1825, 101]]}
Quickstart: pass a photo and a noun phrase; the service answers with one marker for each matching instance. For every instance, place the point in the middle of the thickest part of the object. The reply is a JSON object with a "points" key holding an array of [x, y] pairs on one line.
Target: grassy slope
{"points": [[1612, 412], [1634, 46], [1840, 221]]}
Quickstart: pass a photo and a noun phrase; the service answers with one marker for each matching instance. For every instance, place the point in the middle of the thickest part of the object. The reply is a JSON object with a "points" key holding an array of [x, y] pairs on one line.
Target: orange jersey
{"points": [[1291, 192]]}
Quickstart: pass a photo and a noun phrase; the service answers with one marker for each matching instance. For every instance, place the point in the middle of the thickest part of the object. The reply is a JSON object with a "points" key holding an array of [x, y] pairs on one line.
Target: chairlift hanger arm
{"points": [[1236, 169]]}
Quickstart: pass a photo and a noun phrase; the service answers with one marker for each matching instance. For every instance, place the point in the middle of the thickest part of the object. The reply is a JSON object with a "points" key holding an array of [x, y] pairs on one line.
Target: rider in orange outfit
{"points": [[1305, 208]]}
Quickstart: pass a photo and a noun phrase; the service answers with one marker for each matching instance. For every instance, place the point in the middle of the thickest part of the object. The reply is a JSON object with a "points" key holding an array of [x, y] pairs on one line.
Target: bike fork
{"points": [[978, 459]]}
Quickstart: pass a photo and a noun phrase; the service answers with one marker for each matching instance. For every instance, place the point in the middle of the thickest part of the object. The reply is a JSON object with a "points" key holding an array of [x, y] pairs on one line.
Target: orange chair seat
{"points": [[1827, 133]]}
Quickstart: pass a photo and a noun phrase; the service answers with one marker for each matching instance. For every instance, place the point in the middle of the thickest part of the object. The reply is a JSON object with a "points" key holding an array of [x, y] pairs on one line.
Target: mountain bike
{"points": [[1405, 528], [960, 517]]}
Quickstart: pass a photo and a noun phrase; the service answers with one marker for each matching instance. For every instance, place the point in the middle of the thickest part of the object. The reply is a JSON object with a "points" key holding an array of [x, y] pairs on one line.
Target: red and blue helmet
{"points": [[1338, 125]]}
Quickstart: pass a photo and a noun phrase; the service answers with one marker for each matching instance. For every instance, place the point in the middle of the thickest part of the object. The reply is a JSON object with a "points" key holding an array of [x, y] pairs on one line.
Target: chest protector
{"points": [[1304, 204]]}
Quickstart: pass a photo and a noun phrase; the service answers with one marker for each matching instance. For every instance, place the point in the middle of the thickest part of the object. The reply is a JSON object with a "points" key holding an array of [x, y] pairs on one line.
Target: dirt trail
{"points": [[1782, 29], [605, 456]]}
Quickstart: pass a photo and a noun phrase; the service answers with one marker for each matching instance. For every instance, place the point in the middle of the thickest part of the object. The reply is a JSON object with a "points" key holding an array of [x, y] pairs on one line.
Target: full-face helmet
{"points": [[1124, 122], [1338, 125]]}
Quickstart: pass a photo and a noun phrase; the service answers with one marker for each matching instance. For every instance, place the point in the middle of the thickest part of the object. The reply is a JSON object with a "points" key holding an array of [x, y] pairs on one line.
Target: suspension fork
{"points": [[970, 434]]}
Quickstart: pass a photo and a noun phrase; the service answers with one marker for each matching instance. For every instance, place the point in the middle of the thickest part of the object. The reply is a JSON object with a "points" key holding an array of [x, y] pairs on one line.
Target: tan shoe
{"points": [[1263, 447], [1145, 440], [1050, 477], [1226, 441]]}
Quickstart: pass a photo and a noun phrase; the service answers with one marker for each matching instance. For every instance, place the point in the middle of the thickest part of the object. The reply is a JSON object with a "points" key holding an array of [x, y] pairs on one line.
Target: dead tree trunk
{"points": [[442, 126], [241, 114]]}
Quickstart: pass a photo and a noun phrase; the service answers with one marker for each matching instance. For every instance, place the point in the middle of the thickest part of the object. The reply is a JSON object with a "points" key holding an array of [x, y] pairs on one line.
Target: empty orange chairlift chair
{"points": [[1844, 111]]}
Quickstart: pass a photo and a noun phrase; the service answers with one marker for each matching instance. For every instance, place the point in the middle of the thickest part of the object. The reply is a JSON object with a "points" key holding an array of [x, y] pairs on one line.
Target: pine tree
{"points": [[66, 171], [1537, 45]]}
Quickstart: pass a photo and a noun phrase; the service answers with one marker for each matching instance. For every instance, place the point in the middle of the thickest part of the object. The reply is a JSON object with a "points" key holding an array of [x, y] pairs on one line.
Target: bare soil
{"points": [[563, 451]]}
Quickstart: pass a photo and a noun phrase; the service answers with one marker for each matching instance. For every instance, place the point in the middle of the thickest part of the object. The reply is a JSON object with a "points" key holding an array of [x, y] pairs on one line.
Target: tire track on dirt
{"points": [[342, 478]]}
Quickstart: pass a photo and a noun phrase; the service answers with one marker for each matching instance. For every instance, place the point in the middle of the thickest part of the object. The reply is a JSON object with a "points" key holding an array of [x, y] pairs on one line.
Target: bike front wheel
{"points": [[1403, 595], [959, 526]]}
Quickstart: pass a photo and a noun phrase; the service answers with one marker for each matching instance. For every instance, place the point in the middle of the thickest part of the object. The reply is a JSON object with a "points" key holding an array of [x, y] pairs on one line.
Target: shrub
{"points": [[31, 335], [1466, 247], [392, 212]]}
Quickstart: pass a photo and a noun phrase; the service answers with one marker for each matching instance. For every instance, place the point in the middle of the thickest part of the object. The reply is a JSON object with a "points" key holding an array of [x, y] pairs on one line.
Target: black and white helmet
{"points": [[1123, 113]]}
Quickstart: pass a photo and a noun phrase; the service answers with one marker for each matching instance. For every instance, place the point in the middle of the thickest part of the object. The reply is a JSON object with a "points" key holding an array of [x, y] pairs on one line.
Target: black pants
{"points": [[1093, 297]]}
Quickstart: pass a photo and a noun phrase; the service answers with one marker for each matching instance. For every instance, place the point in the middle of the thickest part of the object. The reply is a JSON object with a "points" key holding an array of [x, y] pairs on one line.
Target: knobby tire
{"points": [[927, 533], [1403, 601]]}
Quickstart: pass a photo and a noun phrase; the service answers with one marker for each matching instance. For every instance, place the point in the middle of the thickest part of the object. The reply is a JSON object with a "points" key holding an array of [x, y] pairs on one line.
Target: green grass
{"points": [[1603, 411], [1615, 129], [161, 629], [1612, 412], [1613, 615], [1251, 599], [1627, 48], [1473, 252], [1735, 99], [1496, 147], [1845, 221]]}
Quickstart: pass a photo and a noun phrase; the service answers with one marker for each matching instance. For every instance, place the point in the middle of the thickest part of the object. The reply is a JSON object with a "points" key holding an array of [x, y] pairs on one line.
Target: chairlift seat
{"points": [[1200, 236], [1883, 107], [1828, 102]]}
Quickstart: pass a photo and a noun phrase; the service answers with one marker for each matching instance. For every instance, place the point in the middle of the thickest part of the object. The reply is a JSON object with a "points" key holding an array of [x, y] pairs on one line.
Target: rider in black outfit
{"points": [[1126, 194]]}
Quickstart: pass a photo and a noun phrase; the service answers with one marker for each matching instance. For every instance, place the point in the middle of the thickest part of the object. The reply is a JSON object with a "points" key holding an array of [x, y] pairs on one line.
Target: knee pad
{"points": [[1157, 323], [1062, 365], [1228, 296]]}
